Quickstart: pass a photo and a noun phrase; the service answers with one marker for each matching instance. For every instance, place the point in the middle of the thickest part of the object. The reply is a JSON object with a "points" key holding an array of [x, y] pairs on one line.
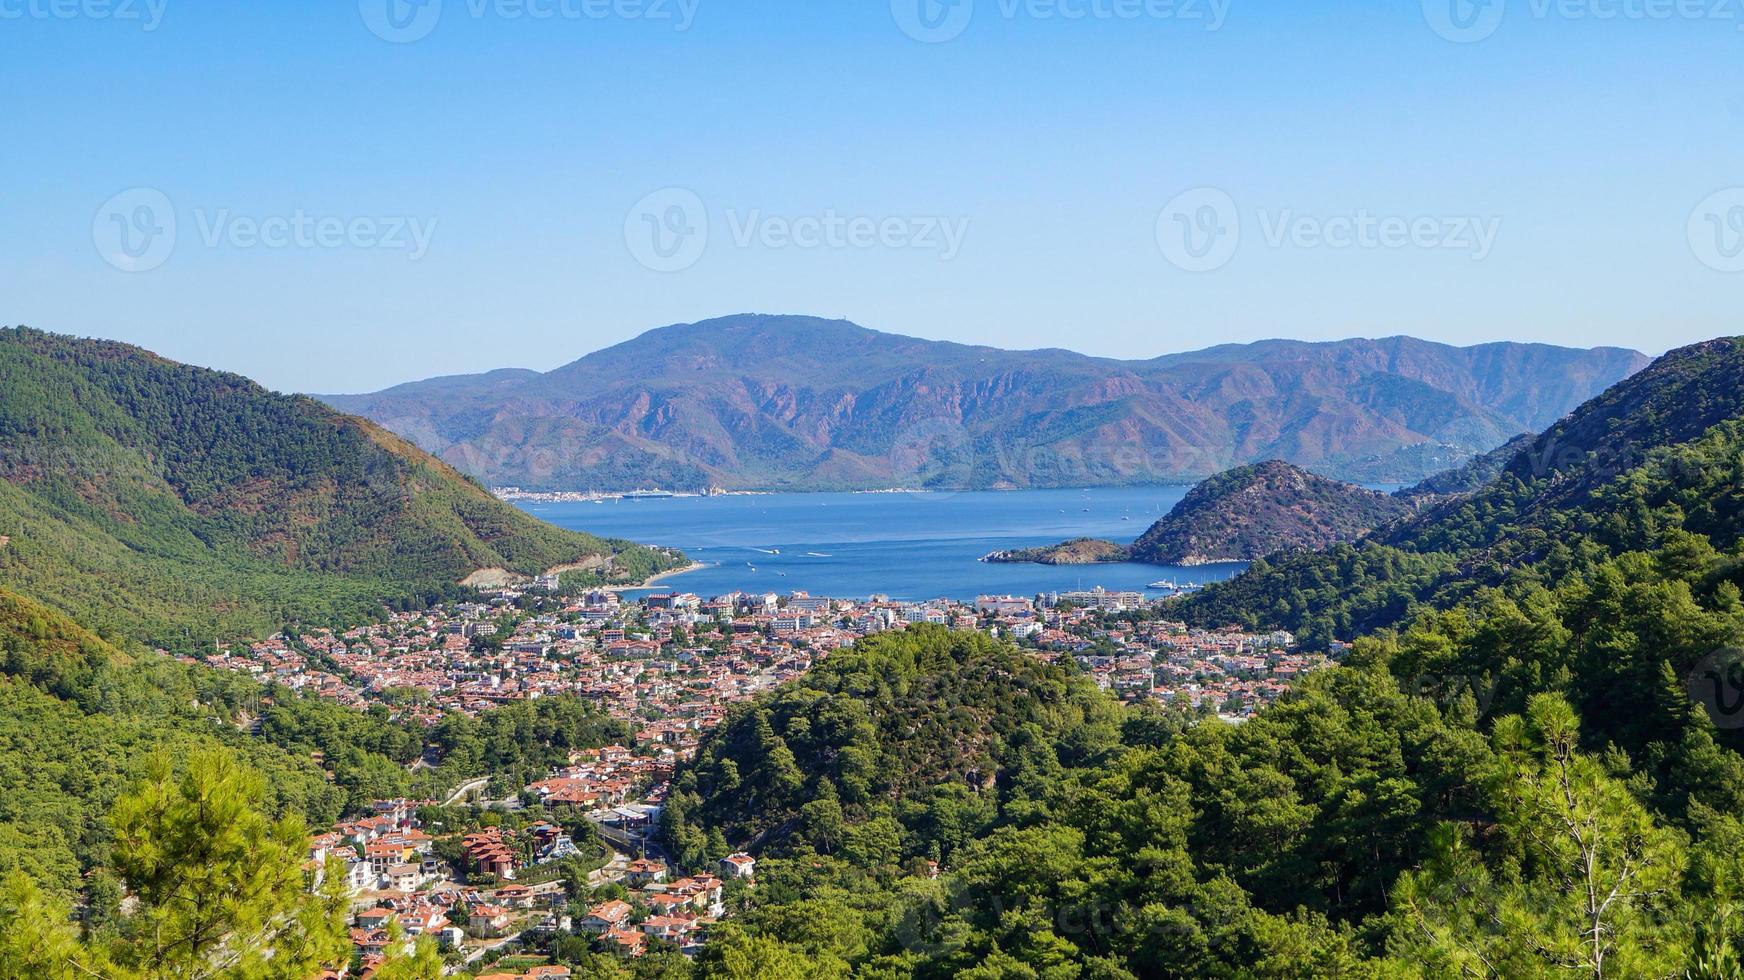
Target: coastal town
{"points": [[574, 853]]}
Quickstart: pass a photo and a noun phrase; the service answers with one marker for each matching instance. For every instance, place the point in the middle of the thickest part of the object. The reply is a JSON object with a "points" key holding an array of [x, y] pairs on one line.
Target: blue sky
{"points": [[484, 188]]}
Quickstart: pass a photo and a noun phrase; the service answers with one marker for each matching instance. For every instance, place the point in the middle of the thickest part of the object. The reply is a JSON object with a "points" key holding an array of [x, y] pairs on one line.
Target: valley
{"points": [[556, 774]]}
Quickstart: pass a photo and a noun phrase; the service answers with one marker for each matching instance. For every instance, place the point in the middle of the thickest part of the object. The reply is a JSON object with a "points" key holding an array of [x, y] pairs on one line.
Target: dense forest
{"points": [[156, 501]]}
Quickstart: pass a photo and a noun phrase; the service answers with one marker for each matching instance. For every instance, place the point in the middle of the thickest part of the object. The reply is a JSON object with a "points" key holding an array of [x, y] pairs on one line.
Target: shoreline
{"points": [[648, 583]]}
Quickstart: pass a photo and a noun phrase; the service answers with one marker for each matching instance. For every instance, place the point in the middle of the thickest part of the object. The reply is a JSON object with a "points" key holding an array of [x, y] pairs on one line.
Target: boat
{"points": [[1176, 587]]}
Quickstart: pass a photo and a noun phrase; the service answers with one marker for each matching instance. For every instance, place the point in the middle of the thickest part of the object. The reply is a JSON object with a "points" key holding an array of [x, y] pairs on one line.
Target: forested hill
{"points": [[164, 502], [802, 403], [79, 720], [1658, 453], [1259, 510], [1246, 513], [918, 724]]}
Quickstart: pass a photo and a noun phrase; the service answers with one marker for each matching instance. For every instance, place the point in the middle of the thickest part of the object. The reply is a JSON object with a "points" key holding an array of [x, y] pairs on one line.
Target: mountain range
{"points": [[799, 403]]}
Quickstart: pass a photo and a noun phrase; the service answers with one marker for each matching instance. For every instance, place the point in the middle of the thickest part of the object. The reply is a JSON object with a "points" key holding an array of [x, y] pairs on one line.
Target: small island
{"points": [[1079, 551]]}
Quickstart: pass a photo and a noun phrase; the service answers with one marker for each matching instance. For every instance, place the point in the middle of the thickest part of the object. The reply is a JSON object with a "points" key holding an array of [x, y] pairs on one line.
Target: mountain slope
{"points": [[1247, 513], [1655, 456], [165, 502], [1254, 511], [1473, 475], [771, 402], [79, 720]]}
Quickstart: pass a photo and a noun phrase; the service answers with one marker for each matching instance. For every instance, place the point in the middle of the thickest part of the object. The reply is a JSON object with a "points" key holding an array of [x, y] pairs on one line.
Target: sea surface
{"points": [[908, 546]]}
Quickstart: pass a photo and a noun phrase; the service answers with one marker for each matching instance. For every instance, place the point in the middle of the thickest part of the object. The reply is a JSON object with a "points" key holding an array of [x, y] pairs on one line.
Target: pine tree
{"points": [[221, 888], [1585, 883]]}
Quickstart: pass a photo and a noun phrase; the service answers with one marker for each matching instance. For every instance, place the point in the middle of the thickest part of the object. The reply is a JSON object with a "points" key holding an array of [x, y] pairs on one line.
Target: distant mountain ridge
{"points": [[799, 403]]}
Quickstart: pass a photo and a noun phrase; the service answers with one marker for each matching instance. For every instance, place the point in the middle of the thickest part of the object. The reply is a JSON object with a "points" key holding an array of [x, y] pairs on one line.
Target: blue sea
{"points": [[909, 546]]}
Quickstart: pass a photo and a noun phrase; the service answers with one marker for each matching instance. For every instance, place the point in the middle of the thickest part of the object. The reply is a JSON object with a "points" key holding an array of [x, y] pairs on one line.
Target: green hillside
{"points": [[1657, 454], [80, 720], [169, 503]]}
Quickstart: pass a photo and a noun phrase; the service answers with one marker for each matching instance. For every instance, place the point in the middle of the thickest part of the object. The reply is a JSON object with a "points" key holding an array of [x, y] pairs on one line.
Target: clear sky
{"points": [[338, 196]]}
